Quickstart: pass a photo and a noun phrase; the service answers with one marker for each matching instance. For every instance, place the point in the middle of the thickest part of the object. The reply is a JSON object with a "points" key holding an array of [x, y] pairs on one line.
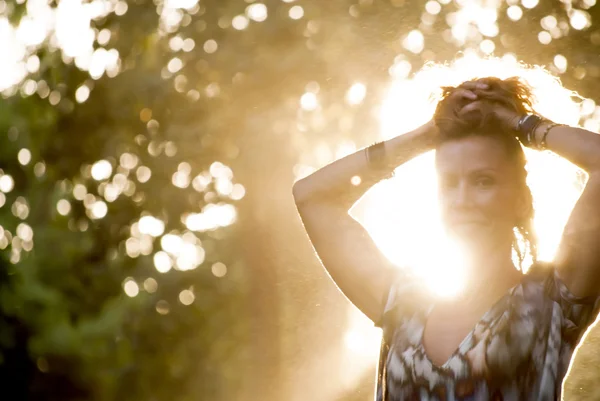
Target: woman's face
{"points": [[478, 195]]}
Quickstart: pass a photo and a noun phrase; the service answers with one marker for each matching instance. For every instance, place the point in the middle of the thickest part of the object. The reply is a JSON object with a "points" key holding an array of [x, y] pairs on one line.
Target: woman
{"points": [[510, 334]]}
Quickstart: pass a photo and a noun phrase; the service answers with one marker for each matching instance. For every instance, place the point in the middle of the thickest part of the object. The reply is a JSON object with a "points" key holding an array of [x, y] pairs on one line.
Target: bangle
{"points": [[531, 134], [520, 122], [376, 155], [526, 126], [544, 143], [376, 159]]}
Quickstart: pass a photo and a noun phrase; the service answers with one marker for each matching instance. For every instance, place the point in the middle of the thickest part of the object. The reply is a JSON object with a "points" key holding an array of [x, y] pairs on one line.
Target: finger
{"points": [[473, 85], [490, 95], [487, 92], [473, 106], [484, 81], [469, 85], [466, 94]]}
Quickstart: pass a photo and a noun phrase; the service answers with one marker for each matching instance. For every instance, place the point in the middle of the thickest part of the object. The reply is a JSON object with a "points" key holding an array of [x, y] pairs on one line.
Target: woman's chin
{"points": [[469, 233]]}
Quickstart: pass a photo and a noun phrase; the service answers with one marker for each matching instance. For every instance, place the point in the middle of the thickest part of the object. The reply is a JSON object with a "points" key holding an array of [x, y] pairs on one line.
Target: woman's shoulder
{"points": [[547, 278], [407, 295]]}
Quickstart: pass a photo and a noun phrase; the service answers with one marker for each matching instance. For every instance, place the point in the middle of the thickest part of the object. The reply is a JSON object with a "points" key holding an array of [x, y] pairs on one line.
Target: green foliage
{"points": [[68, 329]]}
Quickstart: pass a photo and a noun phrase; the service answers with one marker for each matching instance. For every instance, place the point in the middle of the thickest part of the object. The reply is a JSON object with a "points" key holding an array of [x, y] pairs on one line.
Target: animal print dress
{"points": [[519, 350]]}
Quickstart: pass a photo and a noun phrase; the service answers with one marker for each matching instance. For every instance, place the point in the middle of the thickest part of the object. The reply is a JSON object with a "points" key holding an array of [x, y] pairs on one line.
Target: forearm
{"points": [[577, 259], [346, 180], [579, 146]]}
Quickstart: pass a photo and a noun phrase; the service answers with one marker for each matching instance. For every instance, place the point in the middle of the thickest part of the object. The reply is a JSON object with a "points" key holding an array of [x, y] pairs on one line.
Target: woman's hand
{"points": [[449, 115], [492, 101], [457, 98]]}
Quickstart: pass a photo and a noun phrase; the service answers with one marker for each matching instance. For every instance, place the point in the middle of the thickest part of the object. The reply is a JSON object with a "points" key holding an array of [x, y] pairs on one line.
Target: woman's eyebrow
{"points": [[483, 170], [470, 172]]}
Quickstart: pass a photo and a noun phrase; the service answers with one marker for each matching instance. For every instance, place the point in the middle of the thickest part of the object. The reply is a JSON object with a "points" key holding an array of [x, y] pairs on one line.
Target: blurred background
{"points": [[150, 245]]}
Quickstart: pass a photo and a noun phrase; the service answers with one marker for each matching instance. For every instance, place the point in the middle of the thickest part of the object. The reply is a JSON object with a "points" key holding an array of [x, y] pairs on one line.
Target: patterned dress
{"points": [[519, 350]]}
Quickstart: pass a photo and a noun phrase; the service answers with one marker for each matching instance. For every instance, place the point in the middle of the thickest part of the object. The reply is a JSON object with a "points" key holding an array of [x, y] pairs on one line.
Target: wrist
{"points": [[513, 123], [423, 138], [431, 132], [536, 133], [526, 128]]}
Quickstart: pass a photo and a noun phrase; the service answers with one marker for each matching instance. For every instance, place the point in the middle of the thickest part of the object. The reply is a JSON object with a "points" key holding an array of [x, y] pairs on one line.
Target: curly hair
{"points": [[517, 95]]}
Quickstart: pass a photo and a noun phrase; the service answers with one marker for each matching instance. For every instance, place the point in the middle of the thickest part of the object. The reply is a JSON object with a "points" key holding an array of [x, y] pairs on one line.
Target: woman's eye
{"points": [[484, 182]]}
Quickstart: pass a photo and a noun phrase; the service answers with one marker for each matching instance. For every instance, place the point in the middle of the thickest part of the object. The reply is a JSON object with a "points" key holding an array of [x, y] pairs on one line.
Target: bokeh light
{"points": [[356, 94], [296, 12], [309, 101], [257, 12], [101, 170], [162, 262], [240, 22], [24, 156], [186, 297], [219, 269], [150, 285], [131, 288], [151, 225]]}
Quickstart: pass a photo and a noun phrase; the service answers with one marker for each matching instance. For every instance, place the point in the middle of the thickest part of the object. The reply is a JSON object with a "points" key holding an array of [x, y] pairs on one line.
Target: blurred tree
{"points": [[115, 179]]}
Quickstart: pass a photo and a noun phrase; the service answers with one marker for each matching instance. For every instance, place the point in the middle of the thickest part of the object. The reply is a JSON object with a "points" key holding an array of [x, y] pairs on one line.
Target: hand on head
{"points": [[475, 103]]}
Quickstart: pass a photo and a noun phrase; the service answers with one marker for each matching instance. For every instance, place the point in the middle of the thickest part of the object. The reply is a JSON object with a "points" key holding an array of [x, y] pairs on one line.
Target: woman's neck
{"points": [[490, 273]]}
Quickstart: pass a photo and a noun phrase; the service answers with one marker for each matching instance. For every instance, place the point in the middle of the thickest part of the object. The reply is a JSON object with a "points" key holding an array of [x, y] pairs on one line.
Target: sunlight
{"points": [[67, 27], [401, 214]]}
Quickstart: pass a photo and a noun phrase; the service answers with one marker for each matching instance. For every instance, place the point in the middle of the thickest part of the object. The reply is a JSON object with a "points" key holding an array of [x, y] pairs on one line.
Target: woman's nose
{"points": [[462, 195]]}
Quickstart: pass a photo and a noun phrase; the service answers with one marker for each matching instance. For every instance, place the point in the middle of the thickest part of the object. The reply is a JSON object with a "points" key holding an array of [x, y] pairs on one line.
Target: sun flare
{"points": [[401, 213]]}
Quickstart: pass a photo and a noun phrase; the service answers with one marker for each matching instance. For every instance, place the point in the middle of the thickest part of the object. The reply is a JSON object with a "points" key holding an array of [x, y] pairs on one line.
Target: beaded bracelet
{"points": [[531, 134], [544, 143]]}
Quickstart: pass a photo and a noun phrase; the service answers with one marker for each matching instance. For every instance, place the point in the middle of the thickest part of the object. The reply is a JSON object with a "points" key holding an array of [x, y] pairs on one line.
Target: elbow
{"points": [[296, 188], [299, 192], [305, 193]]}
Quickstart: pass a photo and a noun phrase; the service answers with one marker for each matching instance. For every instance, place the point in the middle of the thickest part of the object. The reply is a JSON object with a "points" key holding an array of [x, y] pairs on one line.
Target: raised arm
{"points": [[344, 247], [578, 256]]}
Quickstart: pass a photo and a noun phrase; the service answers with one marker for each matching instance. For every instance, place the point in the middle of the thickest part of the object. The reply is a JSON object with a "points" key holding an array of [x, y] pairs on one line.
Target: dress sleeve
{"points": [[405, 296], [578, 312]]}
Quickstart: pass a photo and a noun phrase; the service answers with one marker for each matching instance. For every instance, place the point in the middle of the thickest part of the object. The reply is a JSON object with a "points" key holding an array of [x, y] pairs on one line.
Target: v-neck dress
{"points": [[518, 351]]}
